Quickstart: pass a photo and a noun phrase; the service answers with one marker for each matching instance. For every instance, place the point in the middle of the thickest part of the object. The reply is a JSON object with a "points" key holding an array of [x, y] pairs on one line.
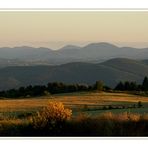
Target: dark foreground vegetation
{"points": [[59, 87], [55, 120]]}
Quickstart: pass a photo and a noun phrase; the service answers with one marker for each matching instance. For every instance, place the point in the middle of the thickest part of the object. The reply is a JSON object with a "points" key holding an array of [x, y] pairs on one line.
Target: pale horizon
{"points": [[57, 29], [57, 46]]}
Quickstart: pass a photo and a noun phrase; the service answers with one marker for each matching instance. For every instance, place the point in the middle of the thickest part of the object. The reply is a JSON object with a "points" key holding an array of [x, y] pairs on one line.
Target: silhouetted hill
{"points": [[69, 47], [111, 72], [128, 65], [93, 53]]}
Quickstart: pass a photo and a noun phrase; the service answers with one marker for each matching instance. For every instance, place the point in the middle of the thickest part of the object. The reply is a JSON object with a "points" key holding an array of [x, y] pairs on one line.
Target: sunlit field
{"points": [[90, 103], [91, 114]]}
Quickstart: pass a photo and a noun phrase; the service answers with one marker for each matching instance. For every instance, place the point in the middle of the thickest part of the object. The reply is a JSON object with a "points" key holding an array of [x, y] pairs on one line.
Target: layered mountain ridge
{"points": [[111, 72], [93, 53]]}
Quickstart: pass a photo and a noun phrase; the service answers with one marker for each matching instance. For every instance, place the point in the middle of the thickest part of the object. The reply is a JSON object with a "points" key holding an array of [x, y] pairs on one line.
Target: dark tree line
{"points": [[59, 87], [50, 88], [133, 86]]}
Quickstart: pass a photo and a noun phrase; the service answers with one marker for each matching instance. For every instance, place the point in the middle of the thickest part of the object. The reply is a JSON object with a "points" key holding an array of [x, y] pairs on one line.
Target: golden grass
{"points": [[93, 98], [74, 100], [22, 104], [125, 116], [12, 121]]}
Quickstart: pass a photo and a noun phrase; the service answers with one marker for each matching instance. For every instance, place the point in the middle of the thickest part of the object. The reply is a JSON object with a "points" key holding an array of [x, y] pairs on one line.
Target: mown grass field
{"points": [[89, 103]]}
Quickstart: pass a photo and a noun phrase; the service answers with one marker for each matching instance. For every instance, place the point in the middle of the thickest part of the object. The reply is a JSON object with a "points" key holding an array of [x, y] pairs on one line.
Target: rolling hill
{"points": [[92, 53], [111, 72]]}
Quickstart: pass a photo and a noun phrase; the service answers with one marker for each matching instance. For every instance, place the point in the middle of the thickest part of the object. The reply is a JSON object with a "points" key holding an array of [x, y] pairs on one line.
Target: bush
{"points": [[139, 104], [51, 118]]}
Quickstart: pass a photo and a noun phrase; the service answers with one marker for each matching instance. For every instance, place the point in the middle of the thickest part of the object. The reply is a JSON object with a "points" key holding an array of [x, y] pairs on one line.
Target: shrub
{"points": [[52, 117], [139, 104]]}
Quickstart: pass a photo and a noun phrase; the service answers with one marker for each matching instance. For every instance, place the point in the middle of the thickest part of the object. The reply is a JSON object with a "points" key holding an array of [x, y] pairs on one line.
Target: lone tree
{"points": [[145, 84], [120, 86], [99, 85]]}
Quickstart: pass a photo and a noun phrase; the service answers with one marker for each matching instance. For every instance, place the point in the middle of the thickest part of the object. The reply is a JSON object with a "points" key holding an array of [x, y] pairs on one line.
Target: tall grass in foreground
{"points": [[55, 120], [109, 124]]}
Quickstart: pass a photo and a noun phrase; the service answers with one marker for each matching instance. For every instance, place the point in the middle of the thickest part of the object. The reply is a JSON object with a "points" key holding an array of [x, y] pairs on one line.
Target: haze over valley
{"points": [[23, 66], [93, 53]]}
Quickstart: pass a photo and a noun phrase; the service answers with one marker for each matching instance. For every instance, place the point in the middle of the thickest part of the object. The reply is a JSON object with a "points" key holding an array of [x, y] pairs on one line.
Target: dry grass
{"points": [[122, 117], [55, 120], [22, 104], [69, 100], [99, 98]]}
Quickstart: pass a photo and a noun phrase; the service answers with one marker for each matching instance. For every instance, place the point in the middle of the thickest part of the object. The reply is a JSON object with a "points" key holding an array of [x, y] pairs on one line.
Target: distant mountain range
{"points": [[111, 72], [22, 66], [93, 53]]}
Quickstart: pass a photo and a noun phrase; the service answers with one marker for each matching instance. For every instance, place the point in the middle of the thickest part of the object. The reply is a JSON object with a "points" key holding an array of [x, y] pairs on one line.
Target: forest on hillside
{"points": [[59, 87]]}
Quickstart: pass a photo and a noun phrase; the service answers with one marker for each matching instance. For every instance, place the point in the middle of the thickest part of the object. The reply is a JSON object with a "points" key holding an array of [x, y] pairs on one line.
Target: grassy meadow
{"points": [[90, 103], [85, 106]]}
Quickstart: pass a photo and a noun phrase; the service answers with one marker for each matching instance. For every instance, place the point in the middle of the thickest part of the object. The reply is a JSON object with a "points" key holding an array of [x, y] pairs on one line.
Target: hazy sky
{"points": [[54, 29]]}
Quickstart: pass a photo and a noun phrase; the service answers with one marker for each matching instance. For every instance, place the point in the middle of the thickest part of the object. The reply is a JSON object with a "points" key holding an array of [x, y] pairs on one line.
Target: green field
{"points": [[89, 103]]}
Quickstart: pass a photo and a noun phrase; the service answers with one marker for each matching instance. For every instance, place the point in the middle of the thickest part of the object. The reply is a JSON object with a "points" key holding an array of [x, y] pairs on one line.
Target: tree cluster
{"points": [[50, 88], [59, 87], [133, 86]]}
